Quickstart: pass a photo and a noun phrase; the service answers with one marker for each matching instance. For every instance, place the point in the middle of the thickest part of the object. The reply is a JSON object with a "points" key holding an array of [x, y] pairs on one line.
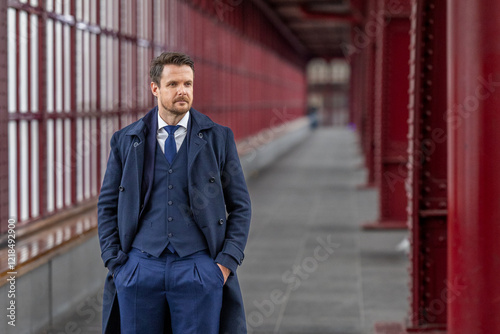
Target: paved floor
{"points": [[309, 268]]}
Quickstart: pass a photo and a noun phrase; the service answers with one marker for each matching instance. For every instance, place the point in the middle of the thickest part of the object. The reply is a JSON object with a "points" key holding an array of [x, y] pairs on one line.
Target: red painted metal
{"points": [[355, 90], [354, 17], [474, 164], [427, 168], [4, 149], [248, 76], [363, 43], [42, 123], [391, 113]]}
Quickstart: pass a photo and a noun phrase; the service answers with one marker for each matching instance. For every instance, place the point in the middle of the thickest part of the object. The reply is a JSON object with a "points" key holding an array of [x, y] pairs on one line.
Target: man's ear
{"points": [[154, 89]]}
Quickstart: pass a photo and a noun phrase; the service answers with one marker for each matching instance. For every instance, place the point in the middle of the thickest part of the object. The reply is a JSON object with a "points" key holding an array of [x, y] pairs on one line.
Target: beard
{"points": [[177, 110]]}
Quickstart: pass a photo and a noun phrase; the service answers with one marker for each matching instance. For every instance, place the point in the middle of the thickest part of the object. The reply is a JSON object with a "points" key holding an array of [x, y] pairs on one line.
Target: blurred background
{"points": [[367, 131]]}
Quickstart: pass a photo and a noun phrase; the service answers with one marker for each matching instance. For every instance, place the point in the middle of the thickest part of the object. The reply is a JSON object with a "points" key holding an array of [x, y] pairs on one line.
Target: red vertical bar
{"points": [[74, 111], [4, 119], [54, 111], [120, 61], [474, 164], [427, 184], [17, 111], [98, 98], [391, 115], [42, 109], [30, 122], [62, 166]]}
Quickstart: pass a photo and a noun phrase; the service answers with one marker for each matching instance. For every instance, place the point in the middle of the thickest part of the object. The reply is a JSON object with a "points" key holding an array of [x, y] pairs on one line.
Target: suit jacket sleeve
{"points": [[109, 239], [238, 207]]}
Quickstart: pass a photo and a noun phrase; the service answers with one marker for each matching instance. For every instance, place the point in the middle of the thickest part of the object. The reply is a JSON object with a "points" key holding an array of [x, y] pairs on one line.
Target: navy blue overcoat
{"points": [[218, 197]]}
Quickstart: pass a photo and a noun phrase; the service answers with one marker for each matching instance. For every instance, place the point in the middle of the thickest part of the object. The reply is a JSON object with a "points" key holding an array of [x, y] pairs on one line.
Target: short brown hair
{"points": [[167, 58]]}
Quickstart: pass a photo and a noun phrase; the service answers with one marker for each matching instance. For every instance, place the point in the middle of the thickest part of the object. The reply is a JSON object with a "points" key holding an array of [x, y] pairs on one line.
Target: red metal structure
{"points": [[4, 167], [474, 164], [77, 71], [369, 28], [391, 111], [427, 184]]}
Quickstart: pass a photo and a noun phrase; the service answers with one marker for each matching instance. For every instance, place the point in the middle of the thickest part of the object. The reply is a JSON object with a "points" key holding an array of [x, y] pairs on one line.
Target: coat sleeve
{"points": [[107, 205], [238, 208]]}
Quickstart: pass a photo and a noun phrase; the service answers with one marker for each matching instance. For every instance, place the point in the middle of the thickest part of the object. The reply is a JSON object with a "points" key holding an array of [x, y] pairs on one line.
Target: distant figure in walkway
{"points": [[174, 216]]}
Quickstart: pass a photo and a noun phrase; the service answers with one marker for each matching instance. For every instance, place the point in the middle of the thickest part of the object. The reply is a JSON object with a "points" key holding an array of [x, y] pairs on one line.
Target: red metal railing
{"points": [[4, 167], [79, 70]]}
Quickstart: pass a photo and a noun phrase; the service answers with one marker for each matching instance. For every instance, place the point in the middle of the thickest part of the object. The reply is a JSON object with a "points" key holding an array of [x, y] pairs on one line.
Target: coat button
{"points": [[136, 144], [121, 188], [170, 186], [170, 219], [170, 171], [200, 135], [212, 179], [221, 221], [170, 202]]}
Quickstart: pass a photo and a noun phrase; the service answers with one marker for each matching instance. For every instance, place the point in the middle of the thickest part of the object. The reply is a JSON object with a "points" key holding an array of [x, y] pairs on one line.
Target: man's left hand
{"points": [[225, 272]]}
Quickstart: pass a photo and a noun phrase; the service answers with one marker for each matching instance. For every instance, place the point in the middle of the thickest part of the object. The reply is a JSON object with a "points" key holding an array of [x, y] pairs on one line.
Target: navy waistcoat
{"points": [[167, 217]]}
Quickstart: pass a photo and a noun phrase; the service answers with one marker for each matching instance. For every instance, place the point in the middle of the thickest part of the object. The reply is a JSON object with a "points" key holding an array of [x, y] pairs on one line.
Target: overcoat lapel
{"points": [[196, 143], [151, 122], [143, 152]]}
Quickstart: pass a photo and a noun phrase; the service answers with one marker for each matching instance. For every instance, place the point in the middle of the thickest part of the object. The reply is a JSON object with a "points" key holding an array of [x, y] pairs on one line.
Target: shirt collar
{"points": [[183, 122]]}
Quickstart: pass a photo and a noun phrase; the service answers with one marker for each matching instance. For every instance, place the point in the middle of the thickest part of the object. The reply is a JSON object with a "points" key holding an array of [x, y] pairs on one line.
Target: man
{"points": [[174, 216]]}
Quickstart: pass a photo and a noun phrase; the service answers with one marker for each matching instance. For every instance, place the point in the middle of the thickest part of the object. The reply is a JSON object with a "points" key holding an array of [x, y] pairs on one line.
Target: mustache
{"points": [[181, 99]]}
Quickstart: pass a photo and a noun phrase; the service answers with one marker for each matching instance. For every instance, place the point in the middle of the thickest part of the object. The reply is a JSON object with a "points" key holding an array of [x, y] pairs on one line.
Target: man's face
{"points": [[175, 94]]}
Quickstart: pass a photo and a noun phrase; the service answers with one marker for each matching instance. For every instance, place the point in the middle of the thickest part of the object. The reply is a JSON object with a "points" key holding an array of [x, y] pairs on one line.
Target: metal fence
{"points": [[79, 70]]}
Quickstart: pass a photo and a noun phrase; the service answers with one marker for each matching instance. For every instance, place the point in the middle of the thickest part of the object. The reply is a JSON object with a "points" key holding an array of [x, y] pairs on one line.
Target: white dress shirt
{"points": [[179, 135]]}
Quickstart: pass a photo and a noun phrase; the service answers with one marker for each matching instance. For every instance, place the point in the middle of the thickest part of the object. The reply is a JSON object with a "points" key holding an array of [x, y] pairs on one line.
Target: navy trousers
{"points": [[184, 293]]}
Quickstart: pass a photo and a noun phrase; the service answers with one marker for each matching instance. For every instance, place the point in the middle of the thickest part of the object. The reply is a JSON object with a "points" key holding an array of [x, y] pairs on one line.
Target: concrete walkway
{"points": [[309, 268]]}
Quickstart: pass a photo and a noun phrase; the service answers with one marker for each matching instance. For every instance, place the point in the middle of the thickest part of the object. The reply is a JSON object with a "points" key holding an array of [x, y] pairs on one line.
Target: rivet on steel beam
{"points": [[430, 67], [429, 82], [442, 238], [428, 112], [427, 204], [427, 174], [427, 189], [428, 128], [442, 186], [442, 205], [430, 36]]}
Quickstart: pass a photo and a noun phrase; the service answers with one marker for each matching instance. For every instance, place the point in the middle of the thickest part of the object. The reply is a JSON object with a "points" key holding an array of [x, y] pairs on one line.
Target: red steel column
{"points": [[474, 166], [427, 168], [391, 111], [4, 117], [371, 27]]}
